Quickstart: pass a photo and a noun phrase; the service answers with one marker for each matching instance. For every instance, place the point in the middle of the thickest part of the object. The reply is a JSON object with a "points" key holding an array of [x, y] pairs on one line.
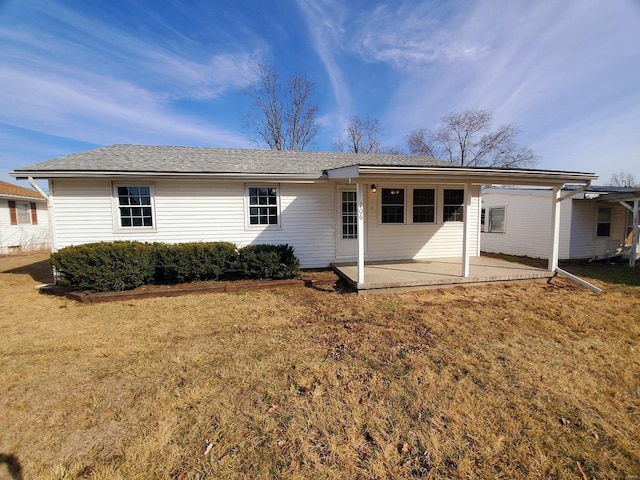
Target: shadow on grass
{"points": [[13, 465], [39, 271], [614, 273]]}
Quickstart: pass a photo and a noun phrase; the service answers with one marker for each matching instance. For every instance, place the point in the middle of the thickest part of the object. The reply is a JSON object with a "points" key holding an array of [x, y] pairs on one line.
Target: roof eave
{"points": [[476, 175], [45, 174], [22, 197]]}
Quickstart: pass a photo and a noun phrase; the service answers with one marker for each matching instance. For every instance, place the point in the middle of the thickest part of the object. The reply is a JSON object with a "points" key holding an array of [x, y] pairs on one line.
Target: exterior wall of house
{"points": [[199, 210], [23, 237], [418, 241], [585, 243], [85, 210], [528, 225], [527, 229]]}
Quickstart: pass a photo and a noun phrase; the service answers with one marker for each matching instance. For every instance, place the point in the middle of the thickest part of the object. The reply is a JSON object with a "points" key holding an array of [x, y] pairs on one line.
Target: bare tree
{"points": [[623, 179], [466, 139], [362, 136], [417, 143], [283, 118]]}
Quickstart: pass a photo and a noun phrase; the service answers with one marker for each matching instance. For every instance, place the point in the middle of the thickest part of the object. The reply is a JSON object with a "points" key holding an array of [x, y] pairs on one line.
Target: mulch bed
{"points": [[152, 291]]}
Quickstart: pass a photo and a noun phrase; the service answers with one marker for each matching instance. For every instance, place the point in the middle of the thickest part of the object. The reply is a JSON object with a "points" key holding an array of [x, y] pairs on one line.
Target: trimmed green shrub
{"points": [[105, 266], [267, 261], [188, 262]]}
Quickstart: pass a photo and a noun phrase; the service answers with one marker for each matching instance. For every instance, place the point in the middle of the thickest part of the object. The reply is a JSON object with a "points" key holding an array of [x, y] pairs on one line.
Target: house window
{"points": [[483, 213], [349, 215], [453, 205], [263, 205], [496, 219], [603, 222], [424, 205], [134, 206], [392, 208], [22, 213]]}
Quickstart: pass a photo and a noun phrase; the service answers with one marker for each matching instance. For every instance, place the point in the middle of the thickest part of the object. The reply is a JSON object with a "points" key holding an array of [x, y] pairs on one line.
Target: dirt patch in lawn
{"points": [[516, 381]]}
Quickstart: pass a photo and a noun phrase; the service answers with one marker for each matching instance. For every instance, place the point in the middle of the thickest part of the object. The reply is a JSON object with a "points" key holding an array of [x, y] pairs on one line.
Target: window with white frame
{"points": [[392, 205], [349, 215], [135, 206], [603, 222], [263, 205], [497, 217], [453, 205], [24, 213], [424, 205]]}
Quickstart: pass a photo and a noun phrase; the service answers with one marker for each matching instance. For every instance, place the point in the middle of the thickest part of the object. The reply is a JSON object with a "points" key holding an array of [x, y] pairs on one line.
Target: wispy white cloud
{"points": [[71, 74], [555, 69], [324, 19]]}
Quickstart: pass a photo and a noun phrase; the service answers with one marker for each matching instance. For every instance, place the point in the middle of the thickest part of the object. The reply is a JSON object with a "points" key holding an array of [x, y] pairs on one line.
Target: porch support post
{"points": [[634, 236], [361, 233], [466, 230], [555, 230]]}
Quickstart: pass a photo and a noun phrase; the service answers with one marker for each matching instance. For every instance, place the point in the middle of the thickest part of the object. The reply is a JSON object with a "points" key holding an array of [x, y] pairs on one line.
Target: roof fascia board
{"points": [[298, 178], [620, 197], [22, 197]]}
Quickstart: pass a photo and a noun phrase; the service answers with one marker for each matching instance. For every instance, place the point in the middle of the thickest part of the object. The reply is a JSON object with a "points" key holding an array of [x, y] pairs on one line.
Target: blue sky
{"points": [[76, 75]]}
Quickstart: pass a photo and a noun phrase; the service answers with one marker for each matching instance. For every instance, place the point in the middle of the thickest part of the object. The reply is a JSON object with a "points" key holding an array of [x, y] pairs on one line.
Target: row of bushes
{"points": [[123, 265]]}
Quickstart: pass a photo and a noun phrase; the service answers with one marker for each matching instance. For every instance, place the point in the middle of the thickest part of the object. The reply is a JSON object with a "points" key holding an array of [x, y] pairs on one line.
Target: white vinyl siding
{"points": [[585, 243], [201, 210], [528, 222], [24, 236], [419, 240]]}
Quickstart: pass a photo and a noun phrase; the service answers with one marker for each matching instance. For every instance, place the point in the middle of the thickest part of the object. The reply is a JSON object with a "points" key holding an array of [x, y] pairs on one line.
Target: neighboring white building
{"points": [[593, 223], [24, 221], [408, 207]]}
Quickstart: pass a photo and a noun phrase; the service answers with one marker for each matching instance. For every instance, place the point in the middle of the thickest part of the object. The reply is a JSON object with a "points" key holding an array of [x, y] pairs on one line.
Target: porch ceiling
{"points": [[402, 275]]}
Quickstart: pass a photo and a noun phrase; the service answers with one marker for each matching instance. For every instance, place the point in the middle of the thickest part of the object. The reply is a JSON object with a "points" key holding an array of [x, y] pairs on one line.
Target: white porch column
{"points": [[555, 230], [634, 235], [361, 233], [466, 230]]}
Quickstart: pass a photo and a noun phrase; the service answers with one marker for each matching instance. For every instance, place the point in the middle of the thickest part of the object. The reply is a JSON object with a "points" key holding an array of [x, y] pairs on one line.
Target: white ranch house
{"points": [[595, 222], [334, 208], [24, 220]]}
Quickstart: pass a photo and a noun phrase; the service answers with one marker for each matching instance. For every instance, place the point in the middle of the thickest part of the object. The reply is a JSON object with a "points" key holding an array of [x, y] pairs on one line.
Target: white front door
{"points": [[347, 228]]}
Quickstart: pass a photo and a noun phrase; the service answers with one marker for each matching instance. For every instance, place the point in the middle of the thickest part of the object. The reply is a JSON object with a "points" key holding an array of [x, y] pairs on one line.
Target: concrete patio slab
{"points": [[404, 275]]}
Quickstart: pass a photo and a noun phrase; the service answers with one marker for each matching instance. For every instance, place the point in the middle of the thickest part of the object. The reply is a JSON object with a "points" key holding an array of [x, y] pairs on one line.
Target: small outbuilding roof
{"points": [[9, 190]]}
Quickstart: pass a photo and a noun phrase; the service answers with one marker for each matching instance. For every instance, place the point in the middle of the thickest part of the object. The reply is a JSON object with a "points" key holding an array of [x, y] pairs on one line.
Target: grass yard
{"points": [[518, 381]]}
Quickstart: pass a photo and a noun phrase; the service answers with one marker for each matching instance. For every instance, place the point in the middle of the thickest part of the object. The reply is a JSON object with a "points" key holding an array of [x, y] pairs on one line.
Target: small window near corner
{"points": [[496, 219], [135, 209], [263, 205], [603, 222]]}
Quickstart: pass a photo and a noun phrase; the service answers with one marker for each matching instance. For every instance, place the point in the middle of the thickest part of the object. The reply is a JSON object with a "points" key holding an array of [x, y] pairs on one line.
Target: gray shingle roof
{"points": [[202, 160]]}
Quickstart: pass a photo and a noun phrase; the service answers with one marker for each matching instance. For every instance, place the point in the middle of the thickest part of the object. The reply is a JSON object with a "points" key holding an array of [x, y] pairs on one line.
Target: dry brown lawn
{"points": [[520, 381]]}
